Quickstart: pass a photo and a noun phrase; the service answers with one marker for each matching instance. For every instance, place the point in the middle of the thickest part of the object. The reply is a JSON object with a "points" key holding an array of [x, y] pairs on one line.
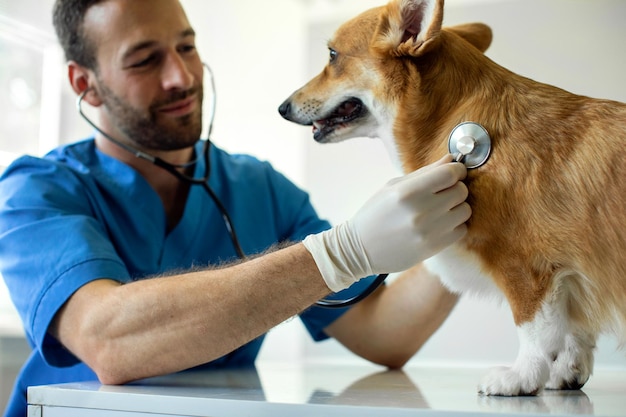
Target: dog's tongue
{"points": [[345, 109]]}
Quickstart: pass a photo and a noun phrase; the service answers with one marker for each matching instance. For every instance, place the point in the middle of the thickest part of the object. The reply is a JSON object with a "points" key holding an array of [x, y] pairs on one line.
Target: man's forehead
{"points": [[146, 42], [121, 27]]}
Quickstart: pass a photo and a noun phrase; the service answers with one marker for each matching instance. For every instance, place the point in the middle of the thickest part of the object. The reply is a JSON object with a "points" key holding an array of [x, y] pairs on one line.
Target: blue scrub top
{"points": [[78, 215]]}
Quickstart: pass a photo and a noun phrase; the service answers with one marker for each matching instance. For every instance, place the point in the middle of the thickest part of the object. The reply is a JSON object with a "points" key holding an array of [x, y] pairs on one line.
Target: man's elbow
{"points": [[393, 360], [108, 365]]}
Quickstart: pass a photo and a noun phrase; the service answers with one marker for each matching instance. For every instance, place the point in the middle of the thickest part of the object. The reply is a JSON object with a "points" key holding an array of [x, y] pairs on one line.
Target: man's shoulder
{"points": [[63, 166], [245, 168], [69, 155], [234, 160]]}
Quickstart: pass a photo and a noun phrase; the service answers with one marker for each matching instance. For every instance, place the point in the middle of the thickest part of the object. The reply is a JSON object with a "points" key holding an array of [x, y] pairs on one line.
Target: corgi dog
{"points": [[547, 231]]}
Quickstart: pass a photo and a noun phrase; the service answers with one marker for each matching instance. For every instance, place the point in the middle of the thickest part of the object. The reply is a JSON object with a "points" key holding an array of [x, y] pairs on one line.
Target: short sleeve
{"points": [[42, 202]]}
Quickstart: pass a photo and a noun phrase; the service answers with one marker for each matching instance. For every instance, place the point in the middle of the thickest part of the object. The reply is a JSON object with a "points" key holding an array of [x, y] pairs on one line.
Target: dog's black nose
{"points": [[285, 109]]}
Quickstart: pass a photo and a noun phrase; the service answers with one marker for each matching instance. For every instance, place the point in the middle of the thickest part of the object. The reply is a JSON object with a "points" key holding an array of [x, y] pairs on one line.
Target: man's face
{"points": [[149, 129], [149, 74]]}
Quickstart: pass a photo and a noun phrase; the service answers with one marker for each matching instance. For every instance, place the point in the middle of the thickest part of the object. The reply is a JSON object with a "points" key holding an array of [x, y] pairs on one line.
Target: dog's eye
{"points": [[332, 55]]}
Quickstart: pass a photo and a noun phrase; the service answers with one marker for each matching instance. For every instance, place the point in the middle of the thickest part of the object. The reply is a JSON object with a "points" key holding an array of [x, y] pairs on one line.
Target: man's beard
{"points": [[145, 129]]}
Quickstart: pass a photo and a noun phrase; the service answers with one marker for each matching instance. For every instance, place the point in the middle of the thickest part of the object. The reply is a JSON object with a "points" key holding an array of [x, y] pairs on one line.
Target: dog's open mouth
{"points": [[348, 111]]}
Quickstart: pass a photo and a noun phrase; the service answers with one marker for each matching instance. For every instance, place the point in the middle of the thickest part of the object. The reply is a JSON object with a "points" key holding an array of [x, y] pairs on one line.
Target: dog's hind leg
{"points": [[573, 365]]}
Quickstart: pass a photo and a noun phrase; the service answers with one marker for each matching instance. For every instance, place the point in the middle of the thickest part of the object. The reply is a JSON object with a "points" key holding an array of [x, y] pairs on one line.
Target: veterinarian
{"points": [[82, 229]]}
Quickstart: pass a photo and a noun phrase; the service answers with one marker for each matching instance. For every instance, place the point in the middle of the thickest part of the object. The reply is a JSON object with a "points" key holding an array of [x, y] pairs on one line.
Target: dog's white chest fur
{"points": [[460, 271]]}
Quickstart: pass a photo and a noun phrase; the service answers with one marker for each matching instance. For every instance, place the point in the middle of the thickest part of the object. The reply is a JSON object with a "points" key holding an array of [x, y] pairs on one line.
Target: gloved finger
{"points": [[435, 205], [436, 179], [444, 160], [459, 214], [448, 158], [453, 196], [441, 234], [439, 221], [454, 235], [447, 228], [426, 201]]}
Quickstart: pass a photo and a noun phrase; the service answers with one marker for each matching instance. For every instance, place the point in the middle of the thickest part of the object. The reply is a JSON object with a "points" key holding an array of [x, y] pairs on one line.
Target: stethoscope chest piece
{"points": [[470, 143]]}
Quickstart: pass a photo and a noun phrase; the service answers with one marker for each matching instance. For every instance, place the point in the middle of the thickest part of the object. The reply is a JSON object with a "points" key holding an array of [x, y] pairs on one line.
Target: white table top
{"points": [[308, 390]]}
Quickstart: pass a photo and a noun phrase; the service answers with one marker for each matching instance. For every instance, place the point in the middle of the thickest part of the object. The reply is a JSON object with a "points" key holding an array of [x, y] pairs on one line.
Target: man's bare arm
{"points": [[163, 325], [392, 324]]}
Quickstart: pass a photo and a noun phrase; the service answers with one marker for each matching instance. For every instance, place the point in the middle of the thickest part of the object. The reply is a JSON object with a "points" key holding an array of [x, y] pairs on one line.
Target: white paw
{"points": [[507, 381], [571, 369]]}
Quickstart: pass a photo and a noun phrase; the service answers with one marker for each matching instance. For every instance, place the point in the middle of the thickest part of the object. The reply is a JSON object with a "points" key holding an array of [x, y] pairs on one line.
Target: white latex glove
{"points": [[410, 219]]}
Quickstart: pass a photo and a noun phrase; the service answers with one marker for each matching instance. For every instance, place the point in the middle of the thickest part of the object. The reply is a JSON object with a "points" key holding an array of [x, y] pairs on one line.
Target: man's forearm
{"points": [[162, 325], [392, 324]]}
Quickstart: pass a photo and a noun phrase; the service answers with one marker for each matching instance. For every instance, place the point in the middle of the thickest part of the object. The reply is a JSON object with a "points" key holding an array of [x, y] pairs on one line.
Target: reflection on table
{"points": [[291, 389]]}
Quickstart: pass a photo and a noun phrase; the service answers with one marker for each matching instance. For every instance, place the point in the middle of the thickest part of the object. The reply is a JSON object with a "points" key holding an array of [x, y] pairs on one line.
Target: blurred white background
{"points": [[260, 52]]}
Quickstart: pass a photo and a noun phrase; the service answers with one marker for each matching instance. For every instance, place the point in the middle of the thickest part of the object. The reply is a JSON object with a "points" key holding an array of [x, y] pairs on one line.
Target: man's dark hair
{"points": [[68, 18]]}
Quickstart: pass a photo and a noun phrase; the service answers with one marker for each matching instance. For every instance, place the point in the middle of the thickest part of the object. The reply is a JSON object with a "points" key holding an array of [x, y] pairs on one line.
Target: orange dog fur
{"points": [[547, 230]]}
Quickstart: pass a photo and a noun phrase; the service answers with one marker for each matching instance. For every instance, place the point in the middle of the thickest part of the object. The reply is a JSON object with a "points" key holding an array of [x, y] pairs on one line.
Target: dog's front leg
{"points": [[541, 341], [529, 373]]}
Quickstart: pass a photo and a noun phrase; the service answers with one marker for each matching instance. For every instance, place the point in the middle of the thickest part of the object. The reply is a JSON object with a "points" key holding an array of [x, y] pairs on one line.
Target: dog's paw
{"points": [[507, 381], [572, 367], [568, 375]]}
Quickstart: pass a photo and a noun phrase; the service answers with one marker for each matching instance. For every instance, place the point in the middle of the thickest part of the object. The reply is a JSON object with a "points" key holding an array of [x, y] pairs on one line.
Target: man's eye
{"points": [[143, 62], [187, 48], [332, 55]]}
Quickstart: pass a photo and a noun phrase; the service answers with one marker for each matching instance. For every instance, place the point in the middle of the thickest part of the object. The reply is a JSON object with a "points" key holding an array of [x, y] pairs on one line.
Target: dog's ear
{"points": [[408, 27], [478, 34]]}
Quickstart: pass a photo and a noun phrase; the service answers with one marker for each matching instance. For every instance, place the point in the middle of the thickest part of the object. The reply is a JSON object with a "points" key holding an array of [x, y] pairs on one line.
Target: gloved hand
{"points": [[410, 219]]}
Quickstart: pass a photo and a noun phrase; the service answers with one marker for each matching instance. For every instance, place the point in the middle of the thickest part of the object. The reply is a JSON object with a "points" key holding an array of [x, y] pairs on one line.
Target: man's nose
{"points": [[176, 73]]}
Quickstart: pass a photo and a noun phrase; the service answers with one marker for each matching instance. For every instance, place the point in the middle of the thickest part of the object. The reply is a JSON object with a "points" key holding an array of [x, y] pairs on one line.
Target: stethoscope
{"points": [[469, 142]]}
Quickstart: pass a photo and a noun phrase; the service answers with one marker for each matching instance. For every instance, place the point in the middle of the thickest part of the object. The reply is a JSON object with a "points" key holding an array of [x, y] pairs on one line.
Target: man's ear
{"points": [[81, 80]]}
